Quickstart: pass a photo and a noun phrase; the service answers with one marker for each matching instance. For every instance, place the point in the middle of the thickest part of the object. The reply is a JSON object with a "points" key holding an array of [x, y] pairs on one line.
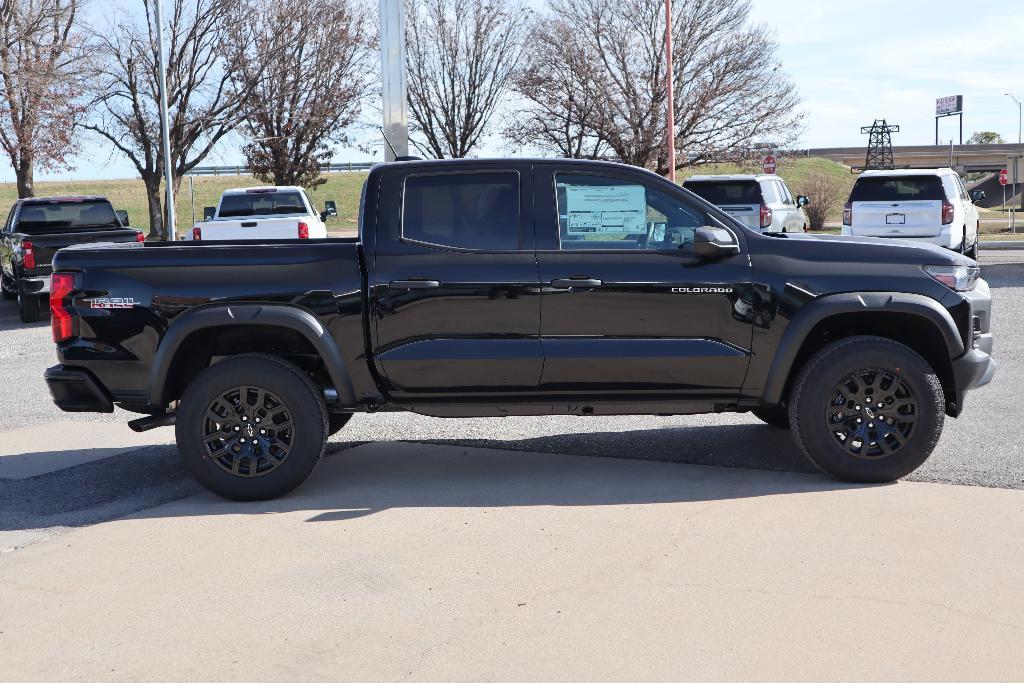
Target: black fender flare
{"points": [[866, 302], [270, 315]]}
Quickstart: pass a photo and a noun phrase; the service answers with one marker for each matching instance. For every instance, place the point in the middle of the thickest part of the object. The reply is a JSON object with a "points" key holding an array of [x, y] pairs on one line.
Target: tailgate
{"points": [[44, 246], [919, 218], [748, 214], [250, 229]]}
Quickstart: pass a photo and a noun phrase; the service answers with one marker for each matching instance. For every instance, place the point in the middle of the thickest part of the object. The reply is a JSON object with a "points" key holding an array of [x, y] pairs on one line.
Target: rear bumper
{"points": [[77, 391], [35, 284], [945, 239]]}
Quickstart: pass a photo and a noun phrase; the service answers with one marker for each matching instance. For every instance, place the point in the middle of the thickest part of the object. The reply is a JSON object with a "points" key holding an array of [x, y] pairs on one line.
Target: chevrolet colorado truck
{"points": [[521, 287], [36, 228]]}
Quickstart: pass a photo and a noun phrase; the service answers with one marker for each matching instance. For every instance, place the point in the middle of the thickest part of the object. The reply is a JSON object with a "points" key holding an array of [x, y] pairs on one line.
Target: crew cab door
{"points": [[453, 280], [627, 306]]}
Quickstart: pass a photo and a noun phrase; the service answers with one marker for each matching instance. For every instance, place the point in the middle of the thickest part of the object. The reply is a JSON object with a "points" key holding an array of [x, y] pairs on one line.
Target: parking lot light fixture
{"points": [[1019, 116]]}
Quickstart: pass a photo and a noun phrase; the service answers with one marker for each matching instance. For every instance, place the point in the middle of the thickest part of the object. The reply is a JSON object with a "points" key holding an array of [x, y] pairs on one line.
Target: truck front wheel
{"points": [[251, 427], [867, 409]]}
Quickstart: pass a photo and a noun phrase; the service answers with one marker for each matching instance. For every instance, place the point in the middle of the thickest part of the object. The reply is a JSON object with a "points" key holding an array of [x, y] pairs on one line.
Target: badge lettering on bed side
{"points": [[113, 302], [702, 290]]}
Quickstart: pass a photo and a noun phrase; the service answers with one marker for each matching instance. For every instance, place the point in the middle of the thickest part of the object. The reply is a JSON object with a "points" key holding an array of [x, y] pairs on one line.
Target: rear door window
{"points": [[262, 203], [478, 211], [787, 198], [725, 192], [897, 189]]}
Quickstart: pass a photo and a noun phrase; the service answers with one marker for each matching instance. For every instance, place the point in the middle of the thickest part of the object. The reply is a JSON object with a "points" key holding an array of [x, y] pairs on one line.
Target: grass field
{"points": [[343, 187]]}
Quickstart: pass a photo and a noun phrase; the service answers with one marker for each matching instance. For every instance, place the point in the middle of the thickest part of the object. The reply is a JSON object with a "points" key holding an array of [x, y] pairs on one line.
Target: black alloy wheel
{"points": [[248, 431], [872, 413]]}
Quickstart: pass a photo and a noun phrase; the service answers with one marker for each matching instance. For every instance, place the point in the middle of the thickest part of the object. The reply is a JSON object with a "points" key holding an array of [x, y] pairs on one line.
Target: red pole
{"points": [[671, 123]]}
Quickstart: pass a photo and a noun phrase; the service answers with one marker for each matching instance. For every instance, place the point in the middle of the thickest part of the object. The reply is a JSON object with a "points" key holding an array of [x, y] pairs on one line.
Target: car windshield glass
{"points": [[60, 216], [720, 192], [897, 189], [262, 204]]}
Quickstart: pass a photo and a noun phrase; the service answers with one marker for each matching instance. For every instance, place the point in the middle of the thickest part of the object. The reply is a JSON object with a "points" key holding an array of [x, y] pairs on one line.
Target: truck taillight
{"points": [[197, 233], [848, 213], [766, 216], [947, 212], [62, 319], [139, 236], [303, 231], [28, 255]]}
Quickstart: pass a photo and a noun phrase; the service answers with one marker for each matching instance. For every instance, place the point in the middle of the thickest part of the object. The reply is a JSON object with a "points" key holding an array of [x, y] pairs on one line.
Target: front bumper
{"points": [[77, 391]]}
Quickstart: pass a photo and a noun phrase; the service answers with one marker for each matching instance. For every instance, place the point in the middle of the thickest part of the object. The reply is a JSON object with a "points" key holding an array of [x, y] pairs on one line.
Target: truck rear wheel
{"points": [[251, 427], [867, 409], [28, 308]]}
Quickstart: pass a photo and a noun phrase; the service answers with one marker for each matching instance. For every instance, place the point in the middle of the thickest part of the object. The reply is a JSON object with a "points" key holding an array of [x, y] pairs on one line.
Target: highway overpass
{"points": [[965, 158]]}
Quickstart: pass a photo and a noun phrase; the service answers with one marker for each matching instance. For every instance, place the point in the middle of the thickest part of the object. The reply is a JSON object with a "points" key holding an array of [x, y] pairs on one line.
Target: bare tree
{"points": [[729, 90], [461, 55], [306, 68], [40, 85], [202, 105]]}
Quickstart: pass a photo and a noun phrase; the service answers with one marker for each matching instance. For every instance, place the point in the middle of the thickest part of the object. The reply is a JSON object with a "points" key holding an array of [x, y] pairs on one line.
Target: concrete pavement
{"points": [[425, 561]]}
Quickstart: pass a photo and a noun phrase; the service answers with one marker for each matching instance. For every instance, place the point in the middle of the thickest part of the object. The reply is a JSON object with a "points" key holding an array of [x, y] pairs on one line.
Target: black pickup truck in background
{"points": [[36, 228], [521, 287]]}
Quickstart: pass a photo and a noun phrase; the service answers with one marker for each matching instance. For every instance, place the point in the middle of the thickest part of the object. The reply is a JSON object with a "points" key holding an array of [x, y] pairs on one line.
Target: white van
{"points": [[922, 205]]}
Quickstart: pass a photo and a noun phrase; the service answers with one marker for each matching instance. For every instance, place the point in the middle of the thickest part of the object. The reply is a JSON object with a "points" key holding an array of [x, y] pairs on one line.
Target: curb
{"points": [[1006, 244]]}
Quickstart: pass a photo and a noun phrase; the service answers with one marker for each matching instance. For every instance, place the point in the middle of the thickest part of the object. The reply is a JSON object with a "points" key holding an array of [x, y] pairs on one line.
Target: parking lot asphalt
{"points": [[119, 476]]}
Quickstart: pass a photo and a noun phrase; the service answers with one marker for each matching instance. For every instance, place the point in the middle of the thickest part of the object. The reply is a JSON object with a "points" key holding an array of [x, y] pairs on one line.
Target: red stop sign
{"points": [[1003, 177], [768, 165]]}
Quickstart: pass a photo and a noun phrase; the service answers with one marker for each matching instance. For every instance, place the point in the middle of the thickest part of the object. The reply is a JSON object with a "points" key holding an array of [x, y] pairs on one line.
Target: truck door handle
{"points": [[570, 282], [414, 284], [249, 224]]}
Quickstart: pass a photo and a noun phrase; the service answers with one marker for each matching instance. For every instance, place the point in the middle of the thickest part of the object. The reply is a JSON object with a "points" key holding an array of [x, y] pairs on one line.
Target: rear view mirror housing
{"points": [[209, 212], [714, 243], [802, 200], [122, 216], [330, 209], [977, 195]]}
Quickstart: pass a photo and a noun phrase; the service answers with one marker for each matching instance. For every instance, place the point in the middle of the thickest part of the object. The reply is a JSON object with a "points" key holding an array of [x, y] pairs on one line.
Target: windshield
{"points": [[36, 218], [262, 204], [721, 192], [897, 189]]}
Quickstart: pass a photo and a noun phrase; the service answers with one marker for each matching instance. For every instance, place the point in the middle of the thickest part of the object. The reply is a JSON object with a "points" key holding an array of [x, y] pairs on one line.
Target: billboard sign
{"points": [[954, 104]]}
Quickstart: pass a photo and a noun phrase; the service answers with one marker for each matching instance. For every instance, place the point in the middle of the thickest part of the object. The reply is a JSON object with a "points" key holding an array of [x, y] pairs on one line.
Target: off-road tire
{"points": [[776, 416], [336, 422], [28, 308], [817, 384], [303, 402]]}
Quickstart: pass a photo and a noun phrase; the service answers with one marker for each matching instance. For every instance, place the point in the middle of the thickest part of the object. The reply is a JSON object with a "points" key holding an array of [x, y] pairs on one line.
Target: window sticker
{"points": [[605, 208]]}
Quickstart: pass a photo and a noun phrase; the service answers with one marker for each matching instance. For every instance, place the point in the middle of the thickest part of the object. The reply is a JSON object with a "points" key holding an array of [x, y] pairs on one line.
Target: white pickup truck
{"points": [[262, 213]]}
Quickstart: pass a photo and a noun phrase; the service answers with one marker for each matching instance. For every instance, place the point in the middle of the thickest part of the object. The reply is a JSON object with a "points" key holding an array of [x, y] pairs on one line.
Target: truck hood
{"points": [[871, 250]]}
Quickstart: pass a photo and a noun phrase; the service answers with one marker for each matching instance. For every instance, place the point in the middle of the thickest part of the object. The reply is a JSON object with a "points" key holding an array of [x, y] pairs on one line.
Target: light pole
{"points": [[671, 123], [164, 128], [1018, 115]]}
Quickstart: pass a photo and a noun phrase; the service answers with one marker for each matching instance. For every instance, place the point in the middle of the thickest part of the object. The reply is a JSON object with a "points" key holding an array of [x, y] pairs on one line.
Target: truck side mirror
{"points": [[714, 243], [802, 200], [977, 195], [209, 212], [122, 216], [331, 208]]}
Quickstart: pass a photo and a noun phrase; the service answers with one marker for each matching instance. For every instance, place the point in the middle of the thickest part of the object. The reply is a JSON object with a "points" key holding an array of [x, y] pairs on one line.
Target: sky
{"points": [[852, 62]]}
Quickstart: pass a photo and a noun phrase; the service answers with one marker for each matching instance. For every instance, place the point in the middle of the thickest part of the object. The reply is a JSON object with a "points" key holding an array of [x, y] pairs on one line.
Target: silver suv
{"points": [[762, 202]]}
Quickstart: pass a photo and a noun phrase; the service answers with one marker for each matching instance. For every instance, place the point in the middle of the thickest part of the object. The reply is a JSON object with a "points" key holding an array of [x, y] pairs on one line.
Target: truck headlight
{"points": [[957, 278]]}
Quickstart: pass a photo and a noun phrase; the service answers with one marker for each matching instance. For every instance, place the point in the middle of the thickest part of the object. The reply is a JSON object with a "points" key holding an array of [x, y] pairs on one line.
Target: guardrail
{"points": [[343, 166]]}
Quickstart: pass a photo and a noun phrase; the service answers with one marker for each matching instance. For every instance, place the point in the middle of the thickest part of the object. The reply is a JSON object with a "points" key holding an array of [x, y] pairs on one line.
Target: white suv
{"points": [[762, 202], [921, 205]]}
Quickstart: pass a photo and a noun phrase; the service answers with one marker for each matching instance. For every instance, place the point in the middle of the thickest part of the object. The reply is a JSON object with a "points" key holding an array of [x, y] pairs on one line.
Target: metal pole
{"points": [[669, 93], [165, 129], [936, 131], [192, 196], [961, 117], [392, 67]]}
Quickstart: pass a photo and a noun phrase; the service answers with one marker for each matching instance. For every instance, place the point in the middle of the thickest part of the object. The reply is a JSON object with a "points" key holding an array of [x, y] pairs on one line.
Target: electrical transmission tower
{"points": [[879, 145]]}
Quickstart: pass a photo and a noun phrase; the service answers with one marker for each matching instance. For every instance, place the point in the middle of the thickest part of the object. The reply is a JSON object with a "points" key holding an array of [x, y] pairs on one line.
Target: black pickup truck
{"points": [[36, 228], [519, 287]]}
